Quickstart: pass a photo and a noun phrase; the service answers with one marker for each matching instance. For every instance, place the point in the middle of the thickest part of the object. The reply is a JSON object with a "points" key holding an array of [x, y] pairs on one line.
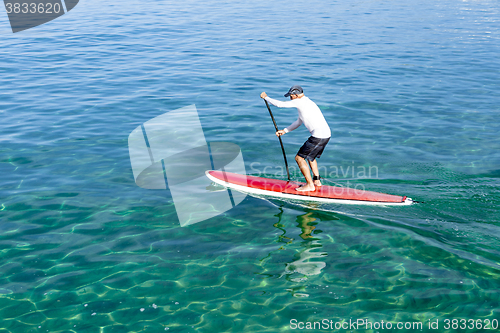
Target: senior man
{"points": [[311, 116]]}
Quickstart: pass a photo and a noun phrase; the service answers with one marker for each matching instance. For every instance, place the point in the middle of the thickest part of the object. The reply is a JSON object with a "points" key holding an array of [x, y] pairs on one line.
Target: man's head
{"points": [[295, 92]]}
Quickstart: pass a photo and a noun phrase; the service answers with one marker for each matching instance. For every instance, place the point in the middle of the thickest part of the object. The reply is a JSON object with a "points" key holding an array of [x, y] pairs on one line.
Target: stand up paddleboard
{"points": [[286, 190]]}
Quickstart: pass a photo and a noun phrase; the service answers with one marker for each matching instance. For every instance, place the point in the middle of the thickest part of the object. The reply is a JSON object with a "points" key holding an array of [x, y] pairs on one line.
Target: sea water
{"points": [[410, 90]]}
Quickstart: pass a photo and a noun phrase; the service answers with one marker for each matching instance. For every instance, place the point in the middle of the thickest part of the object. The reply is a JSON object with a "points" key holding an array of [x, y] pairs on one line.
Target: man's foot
{"points": [[304, 188]]}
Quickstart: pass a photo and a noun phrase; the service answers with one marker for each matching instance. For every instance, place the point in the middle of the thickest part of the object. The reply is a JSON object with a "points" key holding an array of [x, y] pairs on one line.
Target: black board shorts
{"points": [[312, 148]]}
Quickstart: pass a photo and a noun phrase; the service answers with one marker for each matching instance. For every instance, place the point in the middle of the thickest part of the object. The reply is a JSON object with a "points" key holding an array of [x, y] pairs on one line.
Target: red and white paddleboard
{"points": [[286, 190]]}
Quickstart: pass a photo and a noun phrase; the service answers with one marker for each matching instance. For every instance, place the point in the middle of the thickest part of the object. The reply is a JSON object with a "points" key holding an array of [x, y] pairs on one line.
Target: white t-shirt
{"points": [[309, 114]]}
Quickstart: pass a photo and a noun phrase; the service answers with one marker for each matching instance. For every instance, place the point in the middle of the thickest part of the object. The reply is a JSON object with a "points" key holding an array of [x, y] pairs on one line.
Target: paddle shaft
{"points": [[279, 137]]}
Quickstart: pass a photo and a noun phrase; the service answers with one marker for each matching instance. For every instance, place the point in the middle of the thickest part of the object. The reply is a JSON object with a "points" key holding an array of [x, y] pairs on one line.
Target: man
{"points": [[310, 115]]}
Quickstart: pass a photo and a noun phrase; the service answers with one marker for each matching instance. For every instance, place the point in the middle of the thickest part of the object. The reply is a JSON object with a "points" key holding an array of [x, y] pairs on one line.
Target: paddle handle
{"points": [[281, 142]]}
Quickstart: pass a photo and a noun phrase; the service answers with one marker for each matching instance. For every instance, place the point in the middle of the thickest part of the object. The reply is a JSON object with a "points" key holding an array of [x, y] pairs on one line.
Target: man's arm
{"points": [[275, 102], [280, 104], [293, 126], [290, 128]]}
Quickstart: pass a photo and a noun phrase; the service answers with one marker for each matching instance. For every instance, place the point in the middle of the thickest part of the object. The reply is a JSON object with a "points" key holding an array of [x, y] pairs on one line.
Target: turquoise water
{"points": [[411, 89]]}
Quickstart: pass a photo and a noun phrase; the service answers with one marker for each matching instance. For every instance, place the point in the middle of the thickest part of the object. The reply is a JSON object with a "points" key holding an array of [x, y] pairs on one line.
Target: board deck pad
{"points": [[288, 187]]}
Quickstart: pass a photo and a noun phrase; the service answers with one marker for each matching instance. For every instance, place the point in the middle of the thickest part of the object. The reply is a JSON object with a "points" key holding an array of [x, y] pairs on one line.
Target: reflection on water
{"points": [[306, 225], [303, 264]]}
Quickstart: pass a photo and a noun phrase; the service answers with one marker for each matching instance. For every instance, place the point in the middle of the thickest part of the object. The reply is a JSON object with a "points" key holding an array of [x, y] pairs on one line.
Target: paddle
{"points": [[279, 137]]}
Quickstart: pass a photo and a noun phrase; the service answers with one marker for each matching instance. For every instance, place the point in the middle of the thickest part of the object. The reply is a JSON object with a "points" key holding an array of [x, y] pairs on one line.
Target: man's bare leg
{"points": [[304, 168], [314, 168]]}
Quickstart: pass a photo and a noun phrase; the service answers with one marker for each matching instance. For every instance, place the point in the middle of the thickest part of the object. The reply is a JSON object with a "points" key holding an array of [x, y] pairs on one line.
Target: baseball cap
{"points": [[295, 90]]}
